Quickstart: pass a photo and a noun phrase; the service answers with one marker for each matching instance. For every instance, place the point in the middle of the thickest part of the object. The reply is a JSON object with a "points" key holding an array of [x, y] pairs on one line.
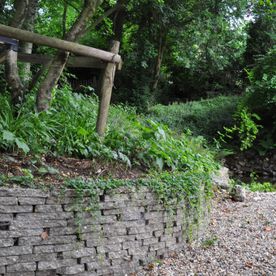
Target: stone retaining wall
{"points": [[42, 234]]}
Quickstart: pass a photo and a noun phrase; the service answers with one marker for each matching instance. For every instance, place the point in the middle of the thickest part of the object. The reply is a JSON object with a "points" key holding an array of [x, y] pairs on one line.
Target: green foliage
{"points": [[246, 129], [204, 117], [209, 242], [68, 128], [255, 118], [170, 188], [259, 104], [262, 187]]}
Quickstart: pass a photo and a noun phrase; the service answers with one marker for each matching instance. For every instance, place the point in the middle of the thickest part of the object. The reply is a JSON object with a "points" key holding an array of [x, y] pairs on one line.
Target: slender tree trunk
{"points": [[11, 69], [27, 47], [118, 21], [13, 79], [159, 59], [59, 62], [44, 96]]}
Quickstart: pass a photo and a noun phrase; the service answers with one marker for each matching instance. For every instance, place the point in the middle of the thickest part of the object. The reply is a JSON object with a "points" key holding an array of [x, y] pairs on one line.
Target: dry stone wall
{"points": [[44, 233]]}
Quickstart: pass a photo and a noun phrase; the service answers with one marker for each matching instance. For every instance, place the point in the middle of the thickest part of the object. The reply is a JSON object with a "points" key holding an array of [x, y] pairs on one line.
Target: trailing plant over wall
{"points": [[171, 189]]}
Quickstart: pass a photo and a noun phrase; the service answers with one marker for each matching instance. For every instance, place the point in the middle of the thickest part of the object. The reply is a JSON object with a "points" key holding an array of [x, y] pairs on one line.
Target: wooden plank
{"points": [[64, 45], [77, 62], [106, 91]]}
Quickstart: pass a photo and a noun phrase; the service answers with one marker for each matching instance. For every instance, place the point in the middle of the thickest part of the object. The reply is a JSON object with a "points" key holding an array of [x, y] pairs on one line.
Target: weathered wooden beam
{"points": [[64, 45], [106, 91], [82, 62]]}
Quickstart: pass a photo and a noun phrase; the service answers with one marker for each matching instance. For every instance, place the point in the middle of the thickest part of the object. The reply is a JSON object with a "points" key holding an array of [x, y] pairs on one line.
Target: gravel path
{"points": [[241, 241]]}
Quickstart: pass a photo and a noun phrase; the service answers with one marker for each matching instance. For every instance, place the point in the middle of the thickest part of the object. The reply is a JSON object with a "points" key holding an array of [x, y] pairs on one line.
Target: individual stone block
{"points": [[48, 208], [82, 252], [8, 201], [157, 246], [15, 209], [44, 249], [20, 274], [112, 212], [37, 257], [33, 223], [109, 247], [59, 231], [131, 244], [6, 242], [8, 260], [51, 240], [94, 221], [71, 270], [15, 192], [21, 267], [43, 216], [31, 200], [112, 230], [155, 216], [150, 241], [50, 272], [132, 213], [2, 269], [15, 251], [116, 197], [96, 241], [6, 217], [158, 233], [68, 247], [56, 264], [120, 239]]}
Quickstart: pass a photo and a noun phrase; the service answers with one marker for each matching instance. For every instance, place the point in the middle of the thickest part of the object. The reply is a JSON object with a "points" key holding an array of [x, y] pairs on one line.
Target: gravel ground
{"points": [[241, 241]]}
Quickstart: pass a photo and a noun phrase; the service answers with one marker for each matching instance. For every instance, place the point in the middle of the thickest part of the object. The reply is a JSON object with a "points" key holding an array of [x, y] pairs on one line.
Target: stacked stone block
{"points": [[41, 233]]}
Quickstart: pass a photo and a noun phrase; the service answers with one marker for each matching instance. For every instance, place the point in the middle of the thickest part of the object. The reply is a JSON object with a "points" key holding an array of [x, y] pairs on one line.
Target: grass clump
{"points": [[205, 117], [261, 187]]}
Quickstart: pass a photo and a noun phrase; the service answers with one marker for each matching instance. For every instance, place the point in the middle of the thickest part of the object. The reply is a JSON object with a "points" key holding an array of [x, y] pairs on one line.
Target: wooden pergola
{"points": [[89, 57]]}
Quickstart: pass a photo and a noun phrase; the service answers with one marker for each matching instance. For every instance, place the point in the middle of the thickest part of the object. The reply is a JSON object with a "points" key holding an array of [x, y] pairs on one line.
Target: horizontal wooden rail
{"points": [[82, 62], [64, 45]]}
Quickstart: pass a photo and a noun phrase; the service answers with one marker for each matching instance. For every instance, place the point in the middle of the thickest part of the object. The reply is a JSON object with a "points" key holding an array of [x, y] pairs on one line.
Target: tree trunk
{"points": [[11, 69], [59, 62], [27, 47], [13, 79], [159, 59], [118, 21], [44, 96]]}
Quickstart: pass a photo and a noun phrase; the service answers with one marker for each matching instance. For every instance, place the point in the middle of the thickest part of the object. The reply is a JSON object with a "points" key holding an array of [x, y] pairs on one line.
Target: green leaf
{"points": [[159, 163], [21, 145], [8, 136]]}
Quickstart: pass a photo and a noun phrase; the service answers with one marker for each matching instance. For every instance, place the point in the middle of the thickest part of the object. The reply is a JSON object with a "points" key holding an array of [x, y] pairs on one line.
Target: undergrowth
{"points": [[68, 128], [205, 117]]}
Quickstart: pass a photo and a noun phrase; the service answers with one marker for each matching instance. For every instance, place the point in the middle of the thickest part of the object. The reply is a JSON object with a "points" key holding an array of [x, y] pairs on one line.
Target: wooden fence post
{"points": [[106, 91]]}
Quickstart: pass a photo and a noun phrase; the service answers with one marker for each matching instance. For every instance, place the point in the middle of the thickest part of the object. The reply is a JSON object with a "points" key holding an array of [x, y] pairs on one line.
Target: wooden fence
{"points": [[89, 57]]}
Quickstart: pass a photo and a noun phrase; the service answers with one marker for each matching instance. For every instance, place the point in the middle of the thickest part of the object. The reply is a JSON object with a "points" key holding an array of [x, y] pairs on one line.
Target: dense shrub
{"points": [[255, 118], [205, 117], [260, 96]]}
